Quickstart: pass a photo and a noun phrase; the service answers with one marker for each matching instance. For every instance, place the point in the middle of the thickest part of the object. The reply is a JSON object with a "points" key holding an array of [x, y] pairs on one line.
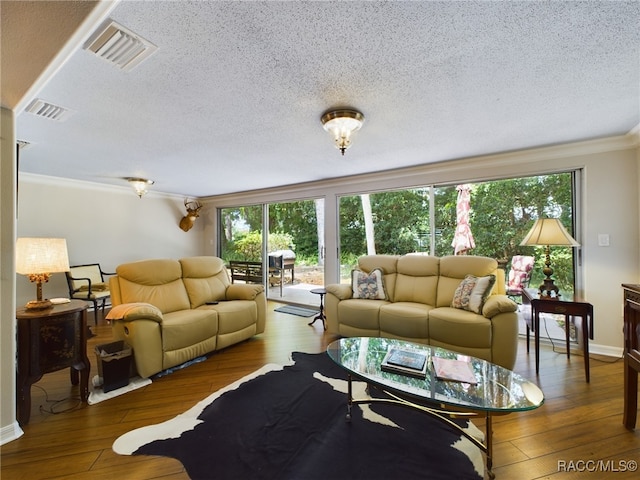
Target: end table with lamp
{"points": [[50, 336], [549, 232]]}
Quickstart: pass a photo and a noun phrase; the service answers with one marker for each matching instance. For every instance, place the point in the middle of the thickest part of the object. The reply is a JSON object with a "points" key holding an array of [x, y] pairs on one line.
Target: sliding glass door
{"points": [[290, 258], [241, 242], [296, 250], [286, 239]]}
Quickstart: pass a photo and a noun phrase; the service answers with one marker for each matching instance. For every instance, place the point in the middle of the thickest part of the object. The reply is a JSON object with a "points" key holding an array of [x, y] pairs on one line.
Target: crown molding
{"points": [[634, 133], [453, 170], [88, 185]]}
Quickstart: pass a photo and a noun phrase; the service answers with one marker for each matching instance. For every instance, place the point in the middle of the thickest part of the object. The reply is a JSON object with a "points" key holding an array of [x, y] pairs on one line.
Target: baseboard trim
{"points": [[606, 350], [9, 433], [594, 348]]}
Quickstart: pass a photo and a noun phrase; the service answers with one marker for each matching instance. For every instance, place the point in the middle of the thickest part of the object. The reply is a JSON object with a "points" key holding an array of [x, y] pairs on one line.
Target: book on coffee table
{"points": [[453, 370], [408, 362]]}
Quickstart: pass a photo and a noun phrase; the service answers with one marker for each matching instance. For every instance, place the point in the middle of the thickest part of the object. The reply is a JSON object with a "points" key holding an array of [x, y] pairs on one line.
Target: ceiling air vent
{"points": [[120, 46], [48, 110]]}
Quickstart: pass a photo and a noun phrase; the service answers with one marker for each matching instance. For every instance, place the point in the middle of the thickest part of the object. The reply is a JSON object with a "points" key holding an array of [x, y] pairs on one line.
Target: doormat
{"points": [[299, 311], [96, 395]]}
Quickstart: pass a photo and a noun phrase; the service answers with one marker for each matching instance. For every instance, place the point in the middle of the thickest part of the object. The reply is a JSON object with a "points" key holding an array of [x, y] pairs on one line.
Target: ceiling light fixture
{"points": [[341, 124], [139, 185]]}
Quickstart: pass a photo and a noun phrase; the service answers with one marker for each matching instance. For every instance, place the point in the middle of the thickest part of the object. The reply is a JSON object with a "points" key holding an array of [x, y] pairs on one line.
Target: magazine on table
{"points": [[453, 370], [405, 361]]}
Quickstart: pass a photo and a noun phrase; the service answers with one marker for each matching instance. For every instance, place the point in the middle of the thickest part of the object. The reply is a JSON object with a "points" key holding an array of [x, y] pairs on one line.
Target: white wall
{"points": [[611, 205], [106, 225], [9, 428]]}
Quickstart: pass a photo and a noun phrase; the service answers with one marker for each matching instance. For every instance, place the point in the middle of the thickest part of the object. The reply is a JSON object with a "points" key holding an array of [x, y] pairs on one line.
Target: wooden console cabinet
{"points": [[631, 353], [50, 340]]}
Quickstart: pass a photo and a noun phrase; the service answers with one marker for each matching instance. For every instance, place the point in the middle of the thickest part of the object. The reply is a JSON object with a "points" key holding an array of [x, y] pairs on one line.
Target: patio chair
{"points": [[86, 282], [519, 275]]}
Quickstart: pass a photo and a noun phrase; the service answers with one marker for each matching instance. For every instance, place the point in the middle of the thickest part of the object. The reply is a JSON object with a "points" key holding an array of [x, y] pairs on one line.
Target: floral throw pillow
{"points": [[368, 285], [473, 292]]}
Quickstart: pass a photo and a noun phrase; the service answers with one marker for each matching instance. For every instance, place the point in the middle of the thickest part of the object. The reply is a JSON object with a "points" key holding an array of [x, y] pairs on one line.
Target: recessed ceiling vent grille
{"points": [[120, 46], [48, 110]]}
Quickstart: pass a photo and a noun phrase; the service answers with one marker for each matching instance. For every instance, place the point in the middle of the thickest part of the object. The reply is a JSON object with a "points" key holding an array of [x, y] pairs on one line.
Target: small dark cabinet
{"points": [[50, 340], [631, 353]]}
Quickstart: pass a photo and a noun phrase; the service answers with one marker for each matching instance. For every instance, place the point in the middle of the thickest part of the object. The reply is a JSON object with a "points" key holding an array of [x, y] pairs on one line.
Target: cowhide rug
{"points": [[289, 423]]}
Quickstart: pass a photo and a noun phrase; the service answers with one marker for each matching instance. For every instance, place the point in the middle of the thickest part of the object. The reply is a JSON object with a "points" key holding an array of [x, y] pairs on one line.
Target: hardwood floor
{"points": [[578, 424]]}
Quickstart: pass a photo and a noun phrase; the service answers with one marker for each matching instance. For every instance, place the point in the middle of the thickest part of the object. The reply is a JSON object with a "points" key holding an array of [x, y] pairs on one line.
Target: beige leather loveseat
{"points": [[172, 311], [419, 292]]}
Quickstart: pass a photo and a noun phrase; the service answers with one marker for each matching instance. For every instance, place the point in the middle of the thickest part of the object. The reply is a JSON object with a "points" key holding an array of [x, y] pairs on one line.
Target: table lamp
{"points": [[546, 232], [38, 258]]}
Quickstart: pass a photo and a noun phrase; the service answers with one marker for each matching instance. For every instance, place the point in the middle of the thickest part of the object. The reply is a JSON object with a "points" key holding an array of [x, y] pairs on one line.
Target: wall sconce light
{"points": [[546, 232], [140, 185], [38, 258], [341, 124]]}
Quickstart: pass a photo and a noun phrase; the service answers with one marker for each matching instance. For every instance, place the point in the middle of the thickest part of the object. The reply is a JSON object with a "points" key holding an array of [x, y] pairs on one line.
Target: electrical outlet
{"points": [[603, 239]]}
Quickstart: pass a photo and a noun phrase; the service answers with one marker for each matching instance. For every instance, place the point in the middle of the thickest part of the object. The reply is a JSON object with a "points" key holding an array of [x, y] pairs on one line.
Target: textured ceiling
{"points": [[232, 98]]}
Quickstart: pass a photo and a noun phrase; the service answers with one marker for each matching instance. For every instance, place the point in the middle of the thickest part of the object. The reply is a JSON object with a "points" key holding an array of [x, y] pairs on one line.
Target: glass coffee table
{"points": [[497, 389]]}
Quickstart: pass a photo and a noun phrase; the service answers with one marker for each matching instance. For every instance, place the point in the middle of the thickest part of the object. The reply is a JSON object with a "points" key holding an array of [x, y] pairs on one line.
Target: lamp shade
{"points": [[41, 255], [549, 231]]}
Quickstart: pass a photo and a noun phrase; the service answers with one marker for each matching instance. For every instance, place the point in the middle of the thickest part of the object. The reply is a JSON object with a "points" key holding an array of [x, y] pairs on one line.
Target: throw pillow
{"points": [[463, 292], [368, 285], [473, 292]]}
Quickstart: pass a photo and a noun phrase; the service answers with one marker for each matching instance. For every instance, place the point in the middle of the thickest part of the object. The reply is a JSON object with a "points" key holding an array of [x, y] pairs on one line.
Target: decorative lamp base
{"points": [[548, 290]]}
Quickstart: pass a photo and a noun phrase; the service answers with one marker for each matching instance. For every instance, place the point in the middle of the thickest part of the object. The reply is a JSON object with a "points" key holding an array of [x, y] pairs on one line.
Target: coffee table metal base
{"points": [[442, 414]]}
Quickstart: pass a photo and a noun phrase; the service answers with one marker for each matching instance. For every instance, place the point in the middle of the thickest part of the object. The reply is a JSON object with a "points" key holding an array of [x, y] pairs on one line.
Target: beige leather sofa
{"points": [[419, 291], [165, 310]]}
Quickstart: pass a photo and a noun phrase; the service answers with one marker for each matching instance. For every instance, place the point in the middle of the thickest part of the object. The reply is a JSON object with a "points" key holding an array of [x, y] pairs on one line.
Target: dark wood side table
{"points": [[50, 340], [568, 308], [320, 316], [631, 353]]}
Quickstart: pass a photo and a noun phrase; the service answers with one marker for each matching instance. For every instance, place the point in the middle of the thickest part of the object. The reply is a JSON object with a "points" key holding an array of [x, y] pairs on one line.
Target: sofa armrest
{"points": [[243, 291], [496, 304], [135, 311], [340, 290]]}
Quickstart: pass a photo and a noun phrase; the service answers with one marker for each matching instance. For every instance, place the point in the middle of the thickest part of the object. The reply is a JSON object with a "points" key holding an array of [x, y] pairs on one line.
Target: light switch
{"points": [[603, 239]]}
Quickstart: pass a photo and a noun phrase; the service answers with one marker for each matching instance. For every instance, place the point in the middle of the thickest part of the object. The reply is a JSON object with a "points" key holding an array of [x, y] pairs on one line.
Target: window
{"points": [[424, 220]]}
